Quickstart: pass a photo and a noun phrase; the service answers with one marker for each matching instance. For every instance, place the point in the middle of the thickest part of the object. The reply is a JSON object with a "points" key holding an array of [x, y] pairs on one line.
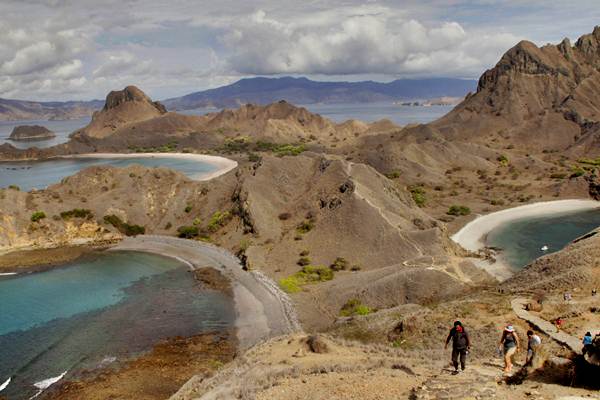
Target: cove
{"points": [[29, 175], [521, 240], [107, 307]]}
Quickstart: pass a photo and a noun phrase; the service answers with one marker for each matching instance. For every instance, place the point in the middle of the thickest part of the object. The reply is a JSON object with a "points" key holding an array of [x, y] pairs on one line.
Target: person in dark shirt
{"points": [[460, 345]]}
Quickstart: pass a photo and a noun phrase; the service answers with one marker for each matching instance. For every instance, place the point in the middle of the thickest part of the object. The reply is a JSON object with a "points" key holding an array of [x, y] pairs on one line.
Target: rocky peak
{"points": [[130, 94]]}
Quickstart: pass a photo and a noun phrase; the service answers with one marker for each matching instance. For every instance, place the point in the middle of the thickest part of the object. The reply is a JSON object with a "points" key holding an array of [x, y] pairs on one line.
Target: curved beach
{"points": [[222, 165], [472, 236], [263, 311]]}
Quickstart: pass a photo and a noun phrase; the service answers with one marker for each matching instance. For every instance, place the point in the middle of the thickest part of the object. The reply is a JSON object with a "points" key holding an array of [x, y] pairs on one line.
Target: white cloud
{"points": [[368, 41]]}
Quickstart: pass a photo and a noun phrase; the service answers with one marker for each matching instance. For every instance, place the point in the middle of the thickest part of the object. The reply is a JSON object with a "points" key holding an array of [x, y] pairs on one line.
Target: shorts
{"points": [[510, 351]]}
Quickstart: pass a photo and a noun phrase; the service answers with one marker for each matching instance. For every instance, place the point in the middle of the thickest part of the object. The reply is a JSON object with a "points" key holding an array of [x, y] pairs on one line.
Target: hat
{"points": [[509, 328]]}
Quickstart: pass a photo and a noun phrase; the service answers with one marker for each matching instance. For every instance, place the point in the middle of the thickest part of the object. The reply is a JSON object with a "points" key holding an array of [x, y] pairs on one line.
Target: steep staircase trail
{"points": [[573, 343]]}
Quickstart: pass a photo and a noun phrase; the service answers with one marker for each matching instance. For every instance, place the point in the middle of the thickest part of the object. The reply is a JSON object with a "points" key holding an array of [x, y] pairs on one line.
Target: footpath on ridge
{"points": [[573, 343]]}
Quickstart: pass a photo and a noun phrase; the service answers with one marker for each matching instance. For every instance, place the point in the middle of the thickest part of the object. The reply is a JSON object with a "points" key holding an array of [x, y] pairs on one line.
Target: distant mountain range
{"points": [[260, 91], [306, 91], [15, 110]]}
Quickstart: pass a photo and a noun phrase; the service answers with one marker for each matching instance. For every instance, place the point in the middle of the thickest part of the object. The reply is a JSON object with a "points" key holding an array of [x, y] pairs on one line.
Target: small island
{"points": [[31, 132]]}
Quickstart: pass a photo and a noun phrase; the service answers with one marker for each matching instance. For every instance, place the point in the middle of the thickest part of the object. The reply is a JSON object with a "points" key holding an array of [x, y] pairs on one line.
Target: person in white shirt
{"points": [[533, 342]]}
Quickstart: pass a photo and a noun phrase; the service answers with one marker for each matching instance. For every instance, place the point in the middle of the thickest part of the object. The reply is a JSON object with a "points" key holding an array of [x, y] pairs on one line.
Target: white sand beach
{"points": [[472, 235], [222, 164]]}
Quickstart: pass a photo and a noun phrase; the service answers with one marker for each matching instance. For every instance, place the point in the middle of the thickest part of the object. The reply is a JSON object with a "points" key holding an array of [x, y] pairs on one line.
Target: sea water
{"points": [[62, 130], [40, 174], [521, 240], [104, 308]]}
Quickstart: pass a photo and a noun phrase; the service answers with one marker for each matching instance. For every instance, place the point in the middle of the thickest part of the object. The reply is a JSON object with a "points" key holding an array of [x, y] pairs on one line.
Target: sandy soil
{"points": [[473, 235], [222, 164]]}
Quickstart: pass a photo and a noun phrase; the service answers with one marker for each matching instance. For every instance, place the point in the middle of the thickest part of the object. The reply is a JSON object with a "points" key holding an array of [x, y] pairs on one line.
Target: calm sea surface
{"points": [[109, 307], [521, 241]]}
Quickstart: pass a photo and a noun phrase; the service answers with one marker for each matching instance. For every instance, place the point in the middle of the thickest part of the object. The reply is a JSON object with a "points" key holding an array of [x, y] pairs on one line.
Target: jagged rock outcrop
{"points": [[122, 107]]}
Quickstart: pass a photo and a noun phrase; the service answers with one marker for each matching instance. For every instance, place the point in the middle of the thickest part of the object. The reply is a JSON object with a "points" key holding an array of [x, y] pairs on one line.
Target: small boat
{"points": [[544, 248], [5, 384]]}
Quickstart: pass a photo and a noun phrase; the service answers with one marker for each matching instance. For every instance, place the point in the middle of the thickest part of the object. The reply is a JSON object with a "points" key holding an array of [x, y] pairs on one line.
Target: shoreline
{"points": [[223, 165], [473, 235], [262, 310]]}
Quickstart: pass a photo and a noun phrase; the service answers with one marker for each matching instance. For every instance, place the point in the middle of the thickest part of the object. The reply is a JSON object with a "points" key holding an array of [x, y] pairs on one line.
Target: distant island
{"points": [[31, 132], [305, 91]]}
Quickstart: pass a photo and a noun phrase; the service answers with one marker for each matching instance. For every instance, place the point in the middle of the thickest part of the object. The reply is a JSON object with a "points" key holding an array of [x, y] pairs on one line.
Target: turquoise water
{"points": [[40, 174], [62, 129], [521, 240], [113, 305]]}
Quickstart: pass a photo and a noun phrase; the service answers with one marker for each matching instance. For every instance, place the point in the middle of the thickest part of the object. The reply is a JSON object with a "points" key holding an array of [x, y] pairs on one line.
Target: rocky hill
{"points": [[305, 91], [31, 132], [15, 110]]}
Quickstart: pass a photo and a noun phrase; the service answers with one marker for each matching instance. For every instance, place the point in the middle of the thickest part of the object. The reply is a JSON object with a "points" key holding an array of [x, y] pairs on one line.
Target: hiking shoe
{"points": [[455, 372]]}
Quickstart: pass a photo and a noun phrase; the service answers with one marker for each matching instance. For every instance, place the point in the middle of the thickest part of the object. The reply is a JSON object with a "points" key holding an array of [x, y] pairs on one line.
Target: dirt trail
{"points": [[573, 343]]}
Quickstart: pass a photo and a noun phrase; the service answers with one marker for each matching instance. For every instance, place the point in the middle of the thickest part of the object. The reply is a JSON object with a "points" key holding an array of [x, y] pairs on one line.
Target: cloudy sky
{"points": [[81, 49]]}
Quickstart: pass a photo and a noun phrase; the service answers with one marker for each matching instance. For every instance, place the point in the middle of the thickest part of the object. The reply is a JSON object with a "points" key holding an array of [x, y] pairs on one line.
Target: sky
{"points": [[81, 49]]}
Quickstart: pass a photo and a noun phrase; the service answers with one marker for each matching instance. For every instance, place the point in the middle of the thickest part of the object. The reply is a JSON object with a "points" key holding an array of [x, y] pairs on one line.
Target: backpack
{"points": [[459, 339]]}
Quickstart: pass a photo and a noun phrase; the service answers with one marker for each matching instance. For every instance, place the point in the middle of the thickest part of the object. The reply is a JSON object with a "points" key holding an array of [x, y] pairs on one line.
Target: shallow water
{"points": [[521, 240], [62, 129], [40, 174], [97, 310]]}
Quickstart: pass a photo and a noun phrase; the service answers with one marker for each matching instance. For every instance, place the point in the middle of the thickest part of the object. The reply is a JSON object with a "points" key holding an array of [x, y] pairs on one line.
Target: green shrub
{"points": [[393, 175], [305, 226], [307, 275], [188, 232], [187, 208], [589, 161], [217, 220], [577, 171], [558, 175], [38, 215], [124, 227], [458, 210], [14, 187], [339, 264], [354, 307], [503, 160], [302, 261], [253, 157], [77, 213], [289, 150], [304, 253], [418, 195]]}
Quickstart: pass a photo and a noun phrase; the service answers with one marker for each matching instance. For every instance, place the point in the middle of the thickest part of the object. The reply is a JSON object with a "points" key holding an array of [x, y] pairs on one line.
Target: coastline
{"points": [[223, 165], [473, 235], [262, 310]]}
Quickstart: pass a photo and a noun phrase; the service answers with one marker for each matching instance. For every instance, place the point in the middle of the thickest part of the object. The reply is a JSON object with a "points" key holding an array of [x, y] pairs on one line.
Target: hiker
{"points": [[509, 343], [594, 292], [587, 343], [558, 323], [533, 342], [460, 345]]}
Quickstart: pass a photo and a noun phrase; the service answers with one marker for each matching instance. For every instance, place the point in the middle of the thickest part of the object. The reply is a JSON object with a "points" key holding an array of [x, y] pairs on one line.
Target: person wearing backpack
{"points": [[460, 345], [509, 342]]}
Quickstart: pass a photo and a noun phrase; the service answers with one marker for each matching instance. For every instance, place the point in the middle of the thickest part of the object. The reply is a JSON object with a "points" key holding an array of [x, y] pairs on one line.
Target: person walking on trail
{"points": [[510, 345], [533, 342], [587, 342], [460, 345]]}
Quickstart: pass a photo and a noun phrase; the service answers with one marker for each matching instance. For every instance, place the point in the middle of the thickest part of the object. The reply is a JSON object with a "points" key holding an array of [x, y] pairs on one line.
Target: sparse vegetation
{"points": [[458, 210], [558, 175], [576, 172], [37, 216], [503, 160], [302, 261], [305, 226], [77, 213], [187, 208], [354, 307], [188, 232], [14, 187], [393, 174], [418, 195], [339, 264], [124, 227], [218, 219], [281, 150], [307, 275]]}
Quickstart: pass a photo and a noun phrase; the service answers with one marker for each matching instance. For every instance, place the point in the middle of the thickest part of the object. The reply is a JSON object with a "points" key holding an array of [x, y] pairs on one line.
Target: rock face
{"points": [[537, 98], [122, 107], [31, 132]]}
